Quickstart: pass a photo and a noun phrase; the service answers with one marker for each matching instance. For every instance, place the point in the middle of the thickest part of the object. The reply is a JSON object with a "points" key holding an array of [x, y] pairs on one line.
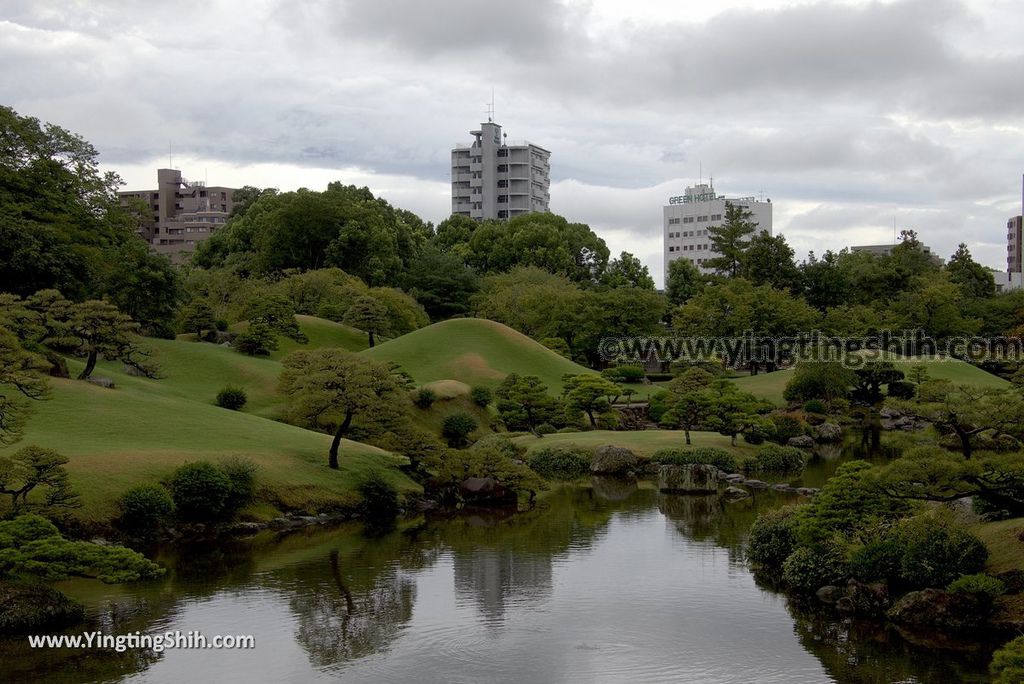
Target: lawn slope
{"points": [[473, 351], [642, 443]]}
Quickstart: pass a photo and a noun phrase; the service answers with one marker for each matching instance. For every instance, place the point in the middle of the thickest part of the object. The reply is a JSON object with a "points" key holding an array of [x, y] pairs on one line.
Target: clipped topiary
{"points": [[720, 458], [144, 510], [561, 462], [232, 398], [424, 398]]}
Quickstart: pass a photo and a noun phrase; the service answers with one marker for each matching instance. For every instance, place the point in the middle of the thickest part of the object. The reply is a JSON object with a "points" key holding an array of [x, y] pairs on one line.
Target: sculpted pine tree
{"points": [[20, 374], [369, 315], [34, 469], [96, 328], [590, 394], [729, 240], [327, 388]]}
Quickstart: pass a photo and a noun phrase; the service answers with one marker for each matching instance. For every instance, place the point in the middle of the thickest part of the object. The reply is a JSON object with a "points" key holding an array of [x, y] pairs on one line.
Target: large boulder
{"points": [[803, 441], [101, 381], [485, 490], [613, 460], [690, 478], [828, 432], [28, 608], [935, 609], [735, 493]]}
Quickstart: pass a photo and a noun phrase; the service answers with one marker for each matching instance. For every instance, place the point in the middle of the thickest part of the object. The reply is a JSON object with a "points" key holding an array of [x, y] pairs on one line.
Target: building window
{"points": [[503, 184], [503, 152], [673, 221], [716, 217], [702, 218], [502, 168], [502, 199]]}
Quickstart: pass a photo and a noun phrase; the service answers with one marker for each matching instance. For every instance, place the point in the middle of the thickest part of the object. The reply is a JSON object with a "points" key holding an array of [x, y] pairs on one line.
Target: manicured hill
{"points": [[642, 443], [323, 333], [475, 352], [771, 385]]}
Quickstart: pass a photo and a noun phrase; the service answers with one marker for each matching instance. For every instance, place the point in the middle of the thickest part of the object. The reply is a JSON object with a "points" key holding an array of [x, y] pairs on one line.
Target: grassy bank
{"points": [[642, 443]]}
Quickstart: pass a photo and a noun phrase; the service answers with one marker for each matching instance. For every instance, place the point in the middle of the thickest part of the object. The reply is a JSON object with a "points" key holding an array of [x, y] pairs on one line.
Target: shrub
{"points": [[773, 458], [545, 429], [456, 428], [232, 398], [502, 443], [481, 396], [848, 502], [380, 498], [937, 551], [144, 509], [659, 377], [258, 340], [561, 463], [720, 458], [978, 584], [658, 405], [808, 569], [221, 325], [787, 425], [815, 406], [627, 374], [557, 345], [451, 467], [1008, 663], [754, 437], [242, 475], [200, 490], [901, 389], [772, 538], [877, 560], [567, 430], [424, 398]]}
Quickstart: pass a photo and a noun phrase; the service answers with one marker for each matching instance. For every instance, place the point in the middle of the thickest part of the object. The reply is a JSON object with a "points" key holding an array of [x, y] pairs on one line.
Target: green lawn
{"points": [[642, 443], [475, 352], [141, 430]]}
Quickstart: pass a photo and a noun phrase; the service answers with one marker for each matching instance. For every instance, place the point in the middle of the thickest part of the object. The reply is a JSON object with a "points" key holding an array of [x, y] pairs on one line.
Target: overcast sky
{"points": [[848, 115]]}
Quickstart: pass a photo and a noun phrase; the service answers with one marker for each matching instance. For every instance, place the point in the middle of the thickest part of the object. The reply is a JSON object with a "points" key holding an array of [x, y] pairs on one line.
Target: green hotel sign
{"points": [[702, 197]]}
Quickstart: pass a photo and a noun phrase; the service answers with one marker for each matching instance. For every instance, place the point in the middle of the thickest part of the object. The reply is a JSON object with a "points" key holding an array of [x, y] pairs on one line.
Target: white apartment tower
{"points": [[689, 217], [495, 179]]}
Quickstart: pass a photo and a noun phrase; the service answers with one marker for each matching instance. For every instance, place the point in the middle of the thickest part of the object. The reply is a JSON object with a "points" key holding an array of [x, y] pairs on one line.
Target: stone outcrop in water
{"points": [[856, 598], [828, 432], [935, 609], [690, 478], [803, 441], [35, 607], [485, 490], [613, 460]]}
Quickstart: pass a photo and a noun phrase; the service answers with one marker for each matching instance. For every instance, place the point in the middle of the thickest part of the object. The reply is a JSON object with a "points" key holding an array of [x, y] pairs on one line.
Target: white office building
{"points": [[690, 216], [495, 179]]}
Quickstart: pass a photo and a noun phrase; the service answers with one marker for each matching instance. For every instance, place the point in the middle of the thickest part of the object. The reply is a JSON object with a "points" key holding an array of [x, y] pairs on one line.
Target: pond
{"points": [[603, 581]]}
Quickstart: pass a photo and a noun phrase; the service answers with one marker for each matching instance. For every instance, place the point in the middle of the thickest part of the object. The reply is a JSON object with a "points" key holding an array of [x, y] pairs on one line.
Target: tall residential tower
{"points": [[495, 179]]}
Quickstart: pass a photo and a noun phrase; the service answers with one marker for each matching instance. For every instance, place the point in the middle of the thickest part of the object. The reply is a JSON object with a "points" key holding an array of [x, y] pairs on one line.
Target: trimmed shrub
{"points": [[456, 428], [144, 510], [754, 437], [720, 458], [876, 560], [658, 405], [242, 475], [773, 458], [787, 425], [545, 429], [561, 463], [259, 339], [936, 551], [501, 443], [901, 389], [424, 398], [232, 398], [221, 325], [481, 396], [772, 538], [1008, 663], [380, 498], [200, 490], [567, 430], [625, 374], [659, 377], [815, 406], [978, 584], [809, 569]]}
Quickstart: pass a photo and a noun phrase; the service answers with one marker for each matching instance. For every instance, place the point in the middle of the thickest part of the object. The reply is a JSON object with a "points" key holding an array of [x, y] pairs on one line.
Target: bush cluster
{"points": [[624, 374], [424, 398], [379, 498], [808, 568], [773, 458], [978, 584], [720, 458], [456, 428], [561, 462], [815, 406], [233, 398], [144, 510], [545, 429], [207, 493], [773, 538], [1008, 663], [481, 396]]}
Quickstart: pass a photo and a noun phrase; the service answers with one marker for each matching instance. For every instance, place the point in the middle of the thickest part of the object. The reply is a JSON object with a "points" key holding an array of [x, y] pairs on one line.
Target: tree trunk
{"points": [[332, 458], [370, 333], [965, 442], [687, 432], [90, 366], [590, 414], [732, 439]]}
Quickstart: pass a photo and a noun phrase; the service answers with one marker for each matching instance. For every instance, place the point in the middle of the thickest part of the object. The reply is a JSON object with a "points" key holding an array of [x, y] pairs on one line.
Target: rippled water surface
{"points": [[607, 582]]}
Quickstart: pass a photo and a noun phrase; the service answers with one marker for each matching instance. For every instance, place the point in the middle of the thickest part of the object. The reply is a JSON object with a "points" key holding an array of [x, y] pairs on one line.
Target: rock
{"points": [[132, 370], [806, 491], [613, 460], [245, 528], [864, 599], [101, 381], [783, 487], [889, 413], [756, 484], [35, 608], [734, 478], [735, 494], [803, 441], [828, 432], [935, 609], [485, 490], [692, 477], [830, 593]]}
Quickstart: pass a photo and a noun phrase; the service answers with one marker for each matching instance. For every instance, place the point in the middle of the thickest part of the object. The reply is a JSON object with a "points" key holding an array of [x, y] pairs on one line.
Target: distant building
{"points": [[688, 218], [1013, 244], [182, 213], [492, 179], [886, 250]]}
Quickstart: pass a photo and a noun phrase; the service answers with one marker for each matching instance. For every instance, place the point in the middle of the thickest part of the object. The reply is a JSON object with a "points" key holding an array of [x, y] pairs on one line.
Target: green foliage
{"points": [[683, 281], [628, 374], [785, 426], [92, 329], [849, 502], [768, 260], [144, 509], [870, 378], [808, 569], [590, 394], [379, 498], [627, 271], [481, 396], [368, 315], [451, 467], [259, 339], [821, 380], [241, 473], [773, 458], [815, 406], [720, 458], [901, 389], [978, 584], [1007, 665], [502, 443], [20, 379], [561, 462], [937, 551], [545, 429], [200, 491], [456, 428], [557, 345], [523, 402], [441, 282], [878, 559], [659, 403], [233, 398], [197, 318], [729, 240], [30, 546], [424, 398], [38, 473], [773, 538]]}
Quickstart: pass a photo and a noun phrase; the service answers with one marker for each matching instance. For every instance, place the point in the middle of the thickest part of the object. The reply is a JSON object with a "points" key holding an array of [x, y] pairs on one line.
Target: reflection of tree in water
{"points": [[708, 517], [868, 652]]}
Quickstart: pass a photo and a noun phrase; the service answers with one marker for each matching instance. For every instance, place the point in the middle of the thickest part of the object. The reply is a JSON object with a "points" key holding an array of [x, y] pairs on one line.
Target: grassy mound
{"points": [[475, 352], [642, 443]]}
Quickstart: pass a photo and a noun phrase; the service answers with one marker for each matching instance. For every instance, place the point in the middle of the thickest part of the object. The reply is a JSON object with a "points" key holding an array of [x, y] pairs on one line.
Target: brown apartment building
{"points": [[182, 213]]}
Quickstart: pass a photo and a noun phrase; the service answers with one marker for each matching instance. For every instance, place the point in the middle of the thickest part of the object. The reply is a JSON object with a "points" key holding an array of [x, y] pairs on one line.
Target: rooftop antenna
{"points": [[170, 156], [489, 108], [711, 179]]}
